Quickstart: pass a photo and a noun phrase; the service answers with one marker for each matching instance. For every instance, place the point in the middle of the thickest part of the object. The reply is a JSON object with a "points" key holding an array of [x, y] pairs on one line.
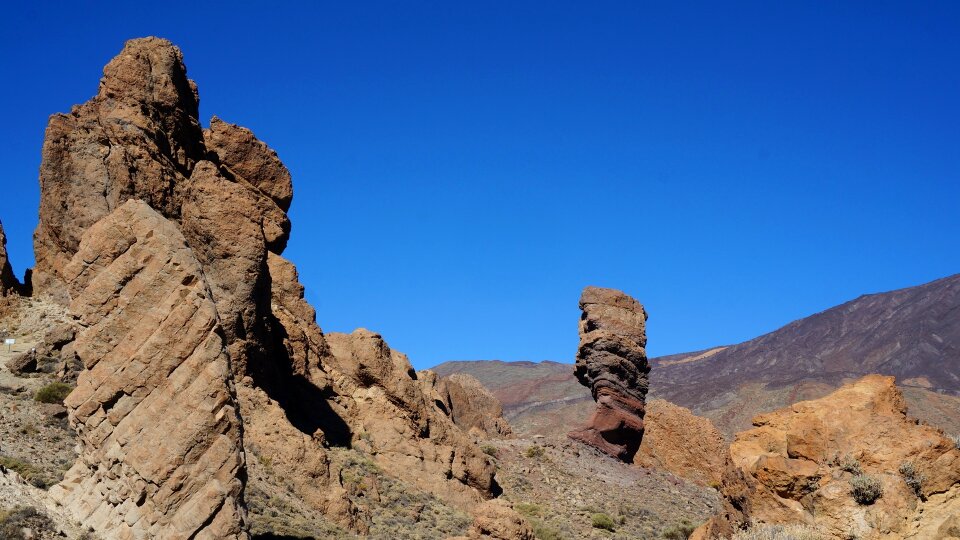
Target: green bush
{"points": [[602, 521], [54, 392], [489, 450], [865, 489], [681, 531], [912, 477]]}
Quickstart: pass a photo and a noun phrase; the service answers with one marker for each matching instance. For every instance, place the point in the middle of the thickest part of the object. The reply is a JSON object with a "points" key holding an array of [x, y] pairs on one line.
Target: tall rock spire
{"points": [[612, 362]]}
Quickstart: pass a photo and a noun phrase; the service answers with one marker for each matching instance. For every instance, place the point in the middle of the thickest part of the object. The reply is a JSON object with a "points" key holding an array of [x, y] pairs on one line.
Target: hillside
{"points": [[912, 334]]}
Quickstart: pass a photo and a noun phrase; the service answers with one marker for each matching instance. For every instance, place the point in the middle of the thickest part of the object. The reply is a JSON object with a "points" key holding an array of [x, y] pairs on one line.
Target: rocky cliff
{"points": [[612, 362], [201, 360]]}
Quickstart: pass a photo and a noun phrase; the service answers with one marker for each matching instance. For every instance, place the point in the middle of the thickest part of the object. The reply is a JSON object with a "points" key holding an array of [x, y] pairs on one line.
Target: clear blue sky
{"points": [[463, 169]]}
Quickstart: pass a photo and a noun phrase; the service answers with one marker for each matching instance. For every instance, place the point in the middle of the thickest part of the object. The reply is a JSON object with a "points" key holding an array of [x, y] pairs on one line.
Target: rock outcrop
{"points": [[676, 440], [164, 241], [8, 281], [800, 465], [472, 407], [612, 362]]}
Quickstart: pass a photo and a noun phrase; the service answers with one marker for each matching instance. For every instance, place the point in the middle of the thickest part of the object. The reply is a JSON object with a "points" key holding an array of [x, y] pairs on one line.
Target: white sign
{"points": [[9, 342]]}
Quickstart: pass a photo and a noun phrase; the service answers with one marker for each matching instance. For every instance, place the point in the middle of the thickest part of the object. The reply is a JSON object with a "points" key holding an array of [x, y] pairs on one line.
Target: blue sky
{"points": [[462, 170]]}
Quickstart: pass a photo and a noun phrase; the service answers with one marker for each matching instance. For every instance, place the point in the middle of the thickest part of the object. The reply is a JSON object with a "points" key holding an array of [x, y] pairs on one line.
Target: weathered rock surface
{"points": [[165, 242], [495, 520], [612, 362], [676, 440], [798, 464], [472, 407], [161, 452]]}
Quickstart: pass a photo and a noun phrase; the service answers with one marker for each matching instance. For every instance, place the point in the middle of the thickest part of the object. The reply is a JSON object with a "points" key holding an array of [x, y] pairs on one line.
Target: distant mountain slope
{"points": [[912, 333]]}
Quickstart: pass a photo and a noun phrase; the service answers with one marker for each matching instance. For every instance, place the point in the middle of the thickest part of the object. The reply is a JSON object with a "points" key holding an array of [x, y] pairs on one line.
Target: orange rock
{"points": [[798, 464], [676, 440]]}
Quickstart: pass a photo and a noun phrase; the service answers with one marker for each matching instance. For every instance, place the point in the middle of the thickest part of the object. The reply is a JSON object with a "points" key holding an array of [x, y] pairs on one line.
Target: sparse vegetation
{"points": [[680, 531], [865, 489], [851, 465], [54, 392], [529, 510], [24, 523], [956, 441], [489, 450], [544, 532], [778, 532], [26, 470], [534, 451], [602, 521], [913, 478]]}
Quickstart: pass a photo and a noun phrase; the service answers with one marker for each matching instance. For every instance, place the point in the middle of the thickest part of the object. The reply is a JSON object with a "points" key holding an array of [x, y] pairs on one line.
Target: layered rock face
{"points": [[165, 241], [800, 465], [612, 362]]}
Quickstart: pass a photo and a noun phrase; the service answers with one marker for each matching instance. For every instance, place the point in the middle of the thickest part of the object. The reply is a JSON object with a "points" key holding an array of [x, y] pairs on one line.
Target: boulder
{"points": [[612, 362]]}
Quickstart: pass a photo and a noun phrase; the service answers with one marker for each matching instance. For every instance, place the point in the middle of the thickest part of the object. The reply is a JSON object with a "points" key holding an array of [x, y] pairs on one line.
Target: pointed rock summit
{"points": [[612, 362]]}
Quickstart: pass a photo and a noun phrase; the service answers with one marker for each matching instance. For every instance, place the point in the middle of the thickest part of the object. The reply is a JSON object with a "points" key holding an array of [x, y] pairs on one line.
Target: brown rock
{"points": [[139, 137], [612, 362], [676, 440], [797, 464], [23, 363], [472, 407], [247, 157], [160, 447], [395, 412]]}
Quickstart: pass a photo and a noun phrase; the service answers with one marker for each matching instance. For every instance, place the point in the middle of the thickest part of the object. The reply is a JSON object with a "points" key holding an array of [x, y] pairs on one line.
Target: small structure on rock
{"points": [[612, 362]]}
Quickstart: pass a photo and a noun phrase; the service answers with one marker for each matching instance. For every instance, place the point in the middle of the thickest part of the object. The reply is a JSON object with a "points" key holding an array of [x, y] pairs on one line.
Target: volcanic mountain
{"points": [[912, 334]]}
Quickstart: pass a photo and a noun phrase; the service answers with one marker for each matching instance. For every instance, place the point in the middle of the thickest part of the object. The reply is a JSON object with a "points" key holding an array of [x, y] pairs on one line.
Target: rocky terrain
{"points": [[913, 334], [170, 381], [849, 465], [612, 363]]}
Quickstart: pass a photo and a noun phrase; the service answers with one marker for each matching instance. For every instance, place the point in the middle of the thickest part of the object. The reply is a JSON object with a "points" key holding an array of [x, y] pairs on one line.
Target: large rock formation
{"points": [[612, 362], [165, 241], [800, 465]]}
